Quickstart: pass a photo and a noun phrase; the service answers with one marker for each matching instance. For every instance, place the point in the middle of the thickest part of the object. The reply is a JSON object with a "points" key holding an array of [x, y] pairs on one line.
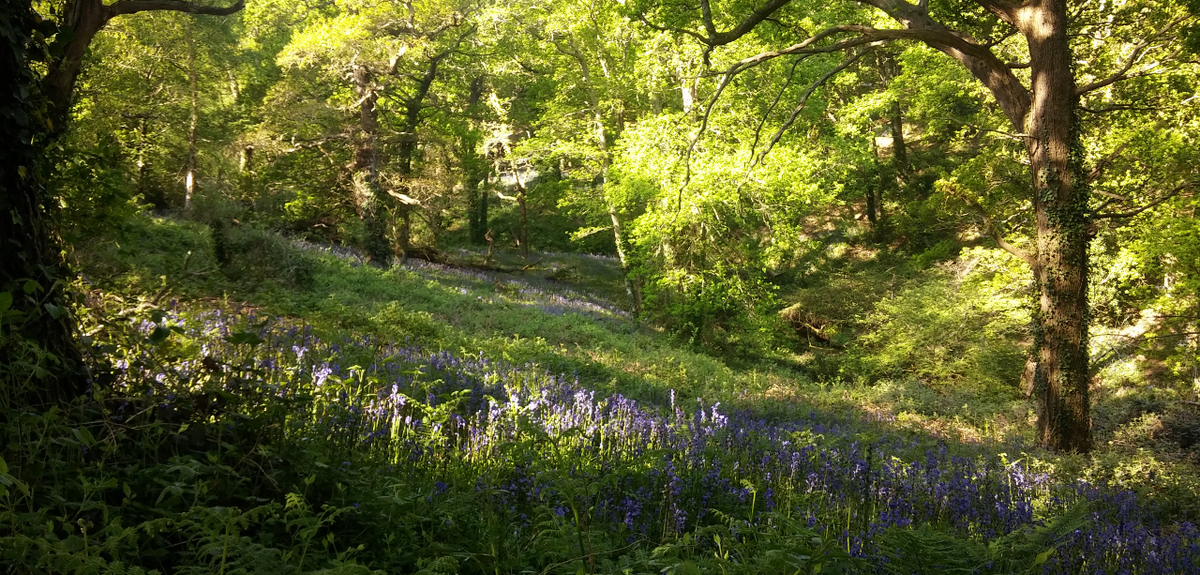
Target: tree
{"points": [[391, 58], [39, 332], [36, 332], [1042, 111], [78, 23]]}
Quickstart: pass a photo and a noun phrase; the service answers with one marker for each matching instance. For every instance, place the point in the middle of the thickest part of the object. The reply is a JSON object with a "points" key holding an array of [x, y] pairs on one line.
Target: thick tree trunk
{"points": [[40, 361], [1045, 113], [1061, 205], [369, 198]]}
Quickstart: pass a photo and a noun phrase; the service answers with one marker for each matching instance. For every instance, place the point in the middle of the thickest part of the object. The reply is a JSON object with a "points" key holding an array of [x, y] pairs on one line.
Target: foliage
{"points": [[960, 327], [457, 418]]}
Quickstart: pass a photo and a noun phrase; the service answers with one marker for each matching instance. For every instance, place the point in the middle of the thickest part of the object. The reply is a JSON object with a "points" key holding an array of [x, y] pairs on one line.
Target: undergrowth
{"points": [[440, 420]]}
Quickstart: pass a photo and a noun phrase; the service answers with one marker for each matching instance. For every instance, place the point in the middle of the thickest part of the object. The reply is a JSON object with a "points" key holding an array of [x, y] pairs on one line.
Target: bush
{"points": [[251, 255]]}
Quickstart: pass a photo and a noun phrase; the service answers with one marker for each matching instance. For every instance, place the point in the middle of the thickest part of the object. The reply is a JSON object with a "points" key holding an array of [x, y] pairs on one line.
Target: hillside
{"points": [[291, 410]]}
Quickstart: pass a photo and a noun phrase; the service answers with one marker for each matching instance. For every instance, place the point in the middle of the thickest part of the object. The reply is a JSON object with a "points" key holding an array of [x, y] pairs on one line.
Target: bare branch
{"points": [[1104, 163], [1003, 10], [745, 26], [994, 231], [683, 31], [778, 96], [1138, 51], [804, 100], [1129, 214], [305, 145]]}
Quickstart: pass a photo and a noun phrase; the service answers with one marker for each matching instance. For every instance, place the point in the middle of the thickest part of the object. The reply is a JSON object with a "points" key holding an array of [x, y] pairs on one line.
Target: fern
{"points": [[445, 565], [926, 549]]}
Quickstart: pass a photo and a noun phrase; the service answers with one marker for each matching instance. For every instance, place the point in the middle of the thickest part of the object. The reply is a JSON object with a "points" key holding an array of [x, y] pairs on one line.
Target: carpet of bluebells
{"points": [[523, 439]]}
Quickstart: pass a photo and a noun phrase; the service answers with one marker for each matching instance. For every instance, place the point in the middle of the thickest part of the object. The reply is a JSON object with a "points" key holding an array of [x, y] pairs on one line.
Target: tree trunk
{"points": [[871, 217], [194, 121], [1061, 205], [155, 196], [899, 150], [483, 206], [408, 148], [368, 195], [40, 361], [522, 197], [1045, 113], [632, 289], [246, 171]]}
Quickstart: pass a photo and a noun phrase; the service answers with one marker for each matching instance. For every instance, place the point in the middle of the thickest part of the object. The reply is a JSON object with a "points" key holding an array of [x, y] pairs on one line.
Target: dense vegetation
{"points": [[599, 287]]}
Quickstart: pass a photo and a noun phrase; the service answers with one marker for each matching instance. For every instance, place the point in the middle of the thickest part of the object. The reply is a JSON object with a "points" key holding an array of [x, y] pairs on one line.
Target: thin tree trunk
{"points": [[899, 150], [632, 289], [522, 197], [194, 120], [483, 205], [246, 171], [871, 207]]}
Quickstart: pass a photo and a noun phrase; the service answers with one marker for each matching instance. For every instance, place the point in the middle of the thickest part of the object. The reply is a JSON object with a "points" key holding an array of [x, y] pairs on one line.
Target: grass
{"points": [[295, 411]]}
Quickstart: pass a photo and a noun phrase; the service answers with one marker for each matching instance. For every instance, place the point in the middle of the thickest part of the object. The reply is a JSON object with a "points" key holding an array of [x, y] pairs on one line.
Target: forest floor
{"points": [[543, 429]]}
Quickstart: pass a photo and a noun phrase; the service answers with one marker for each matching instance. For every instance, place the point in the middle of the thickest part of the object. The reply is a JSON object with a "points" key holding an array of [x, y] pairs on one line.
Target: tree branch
{"points": [[134, 6], [804, 100], [1138, 51], [1107, 161], [1170, 194], [994, 231]]}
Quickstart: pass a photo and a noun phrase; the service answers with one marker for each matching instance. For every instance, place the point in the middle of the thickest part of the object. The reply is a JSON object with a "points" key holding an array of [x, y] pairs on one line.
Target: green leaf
{"points": [[54, 311], [84, 436], [1043, 556], [159, 335], [32, 286], [5, 301]]}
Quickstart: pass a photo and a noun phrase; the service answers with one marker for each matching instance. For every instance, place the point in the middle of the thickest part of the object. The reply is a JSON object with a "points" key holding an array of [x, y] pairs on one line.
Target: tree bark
{"points": [[369, 197], [40, 361], [1061, 196]]}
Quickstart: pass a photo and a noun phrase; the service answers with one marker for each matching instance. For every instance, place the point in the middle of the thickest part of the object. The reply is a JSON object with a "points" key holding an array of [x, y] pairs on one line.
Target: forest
{"points": [[599, 287]]}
